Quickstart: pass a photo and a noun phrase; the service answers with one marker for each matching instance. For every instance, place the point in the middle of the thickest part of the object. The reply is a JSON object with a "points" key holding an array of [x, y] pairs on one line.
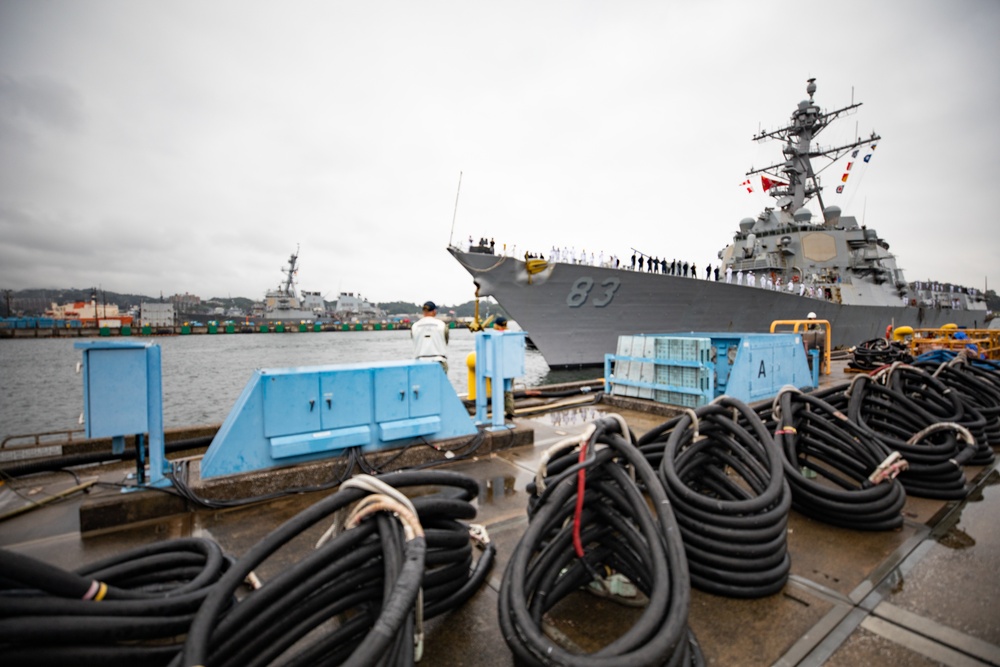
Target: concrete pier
{"points": [[923, 595]]}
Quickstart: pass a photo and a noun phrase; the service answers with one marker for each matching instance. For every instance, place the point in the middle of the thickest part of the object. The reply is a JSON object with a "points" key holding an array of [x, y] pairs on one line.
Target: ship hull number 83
{"points": [[587, 289]]}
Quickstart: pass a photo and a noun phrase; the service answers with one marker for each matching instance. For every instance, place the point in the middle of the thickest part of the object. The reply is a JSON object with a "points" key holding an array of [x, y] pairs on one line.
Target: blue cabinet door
{"points": [[291, 404], [425, 390], [116, 392], [391, 389], [346, 398]]}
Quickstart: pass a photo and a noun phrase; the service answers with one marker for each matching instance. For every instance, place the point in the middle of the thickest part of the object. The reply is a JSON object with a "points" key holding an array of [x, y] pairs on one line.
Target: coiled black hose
{"points": [[979, 391], [840, 473], [126, 608], [726, 482], [905, 407], [878, 352], [925, 387], [367, 576], [589, 518]]}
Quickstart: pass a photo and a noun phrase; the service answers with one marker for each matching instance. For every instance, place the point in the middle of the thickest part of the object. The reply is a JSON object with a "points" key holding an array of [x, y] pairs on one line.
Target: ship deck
{"points": [[925, 594]]}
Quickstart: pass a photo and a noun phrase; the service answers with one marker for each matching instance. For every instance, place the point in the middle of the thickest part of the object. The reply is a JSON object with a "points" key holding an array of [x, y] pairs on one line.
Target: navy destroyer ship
{"points": [[783, 264], [283, 304]]}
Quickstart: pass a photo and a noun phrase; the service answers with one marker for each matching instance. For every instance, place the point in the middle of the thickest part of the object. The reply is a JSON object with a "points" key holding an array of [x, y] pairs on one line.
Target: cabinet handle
{"points": [[312, 404], [402, 395]]}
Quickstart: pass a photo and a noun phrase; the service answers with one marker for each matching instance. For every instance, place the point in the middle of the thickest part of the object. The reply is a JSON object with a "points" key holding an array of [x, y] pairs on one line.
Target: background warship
{"points": [[283, 304], [781, 265]]}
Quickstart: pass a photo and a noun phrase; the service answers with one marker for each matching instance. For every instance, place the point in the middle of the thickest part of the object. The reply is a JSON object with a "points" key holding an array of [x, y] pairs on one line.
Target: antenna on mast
{"points": [[455, 214]]}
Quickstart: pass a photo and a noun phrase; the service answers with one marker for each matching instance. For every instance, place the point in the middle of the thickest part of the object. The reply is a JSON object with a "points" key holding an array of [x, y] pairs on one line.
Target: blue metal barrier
{"points": [[292, 415]]}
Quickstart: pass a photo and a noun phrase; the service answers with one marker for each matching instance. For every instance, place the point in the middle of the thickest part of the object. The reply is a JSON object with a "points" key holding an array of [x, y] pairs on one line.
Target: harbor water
{"points": [[40, 389]]}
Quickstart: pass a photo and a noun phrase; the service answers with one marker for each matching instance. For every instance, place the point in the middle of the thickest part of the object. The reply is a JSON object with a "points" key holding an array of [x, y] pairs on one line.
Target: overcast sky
{"points": [[192, 146]]}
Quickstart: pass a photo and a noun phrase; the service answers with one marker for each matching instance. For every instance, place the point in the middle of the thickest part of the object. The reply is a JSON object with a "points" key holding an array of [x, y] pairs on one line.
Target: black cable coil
{"points": [[367, 576], [840, 472], [726, 481], [123, 610], [572, 539], [979, 390], [913, 413], [878, 352]]}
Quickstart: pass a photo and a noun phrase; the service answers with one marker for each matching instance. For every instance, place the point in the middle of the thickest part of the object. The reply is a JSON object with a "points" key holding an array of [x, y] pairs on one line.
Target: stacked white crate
{"points": [[684, 349], [634, 369]]}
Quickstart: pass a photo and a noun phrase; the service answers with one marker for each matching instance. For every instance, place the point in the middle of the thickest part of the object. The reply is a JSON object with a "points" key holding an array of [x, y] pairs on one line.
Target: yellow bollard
{"points": [[470, 364], [900, 333]]}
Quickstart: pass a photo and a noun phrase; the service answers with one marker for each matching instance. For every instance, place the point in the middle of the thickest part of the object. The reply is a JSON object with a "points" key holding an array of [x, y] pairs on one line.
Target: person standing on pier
{"points": [[430, 337]]}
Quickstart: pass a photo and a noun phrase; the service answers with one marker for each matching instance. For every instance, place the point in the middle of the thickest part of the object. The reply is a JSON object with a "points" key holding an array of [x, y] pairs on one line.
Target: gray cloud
{"points": [[190, 146]]}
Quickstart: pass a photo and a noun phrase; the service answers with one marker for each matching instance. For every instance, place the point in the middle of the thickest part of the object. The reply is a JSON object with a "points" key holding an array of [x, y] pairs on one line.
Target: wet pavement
{"points": [[926, 594]]}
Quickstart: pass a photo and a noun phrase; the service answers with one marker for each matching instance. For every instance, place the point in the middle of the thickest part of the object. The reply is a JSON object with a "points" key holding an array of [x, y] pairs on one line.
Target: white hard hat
{"points": [[811, 316]]}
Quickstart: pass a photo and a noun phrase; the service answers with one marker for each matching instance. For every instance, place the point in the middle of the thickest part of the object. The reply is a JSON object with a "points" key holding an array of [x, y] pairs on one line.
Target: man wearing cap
{"points": [[430, 337]]}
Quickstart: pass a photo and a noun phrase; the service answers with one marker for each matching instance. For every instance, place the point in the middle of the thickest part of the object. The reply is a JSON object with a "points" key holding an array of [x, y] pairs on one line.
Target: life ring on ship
{"points": [[795, 279], [913, 302]]}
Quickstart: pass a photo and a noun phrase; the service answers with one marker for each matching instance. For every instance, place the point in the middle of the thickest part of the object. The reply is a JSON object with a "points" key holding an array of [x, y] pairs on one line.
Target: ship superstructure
{"points": [[284, 303]]}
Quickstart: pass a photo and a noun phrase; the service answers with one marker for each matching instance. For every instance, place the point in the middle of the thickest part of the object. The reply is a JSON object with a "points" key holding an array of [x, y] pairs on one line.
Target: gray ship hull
{"points": [[574, 313]]}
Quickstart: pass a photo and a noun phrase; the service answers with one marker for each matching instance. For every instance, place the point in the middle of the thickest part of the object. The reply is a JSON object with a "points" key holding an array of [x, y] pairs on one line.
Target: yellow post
{"points": [[470, 363]]}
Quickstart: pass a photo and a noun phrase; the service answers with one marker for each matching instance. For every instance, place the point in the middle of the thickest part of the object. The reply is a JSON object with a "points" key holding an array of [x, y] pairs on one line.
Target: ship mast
{"points": [[289, 287], [800, 181]]}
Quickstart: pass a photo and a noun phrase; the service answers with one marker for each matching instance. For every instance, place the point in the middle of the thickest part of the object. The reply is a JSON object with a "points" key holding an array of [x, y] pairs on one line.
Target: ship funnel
{"points": [[831, 215]]}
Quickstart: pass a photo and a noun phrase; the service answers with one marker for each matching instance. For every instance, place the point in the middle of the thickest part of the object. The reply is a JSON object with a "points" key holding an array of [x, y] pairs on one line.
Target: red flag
{"points": [[849, 165], [767, 183], [748, 185], [844, 179]]}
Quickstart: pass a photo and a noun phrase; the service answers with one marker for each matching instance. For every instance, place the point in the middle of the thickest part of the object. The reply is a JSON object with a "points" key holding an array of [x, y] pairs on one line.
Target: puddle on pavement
{"points": [[571, 417], [495, 489], [950, 533]]}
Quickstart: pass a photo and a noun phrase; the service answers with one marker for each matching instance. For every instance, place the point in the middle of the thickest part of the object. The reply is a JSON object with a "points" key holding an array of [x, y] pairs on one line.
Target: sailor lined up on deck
{"points": [[430, 336]]}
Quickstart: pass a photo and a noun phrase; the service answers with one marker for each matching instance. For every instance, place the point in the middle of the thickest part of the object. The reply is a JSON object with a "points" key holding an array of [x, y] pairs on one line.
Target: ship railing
{"points": [[757, 264]]}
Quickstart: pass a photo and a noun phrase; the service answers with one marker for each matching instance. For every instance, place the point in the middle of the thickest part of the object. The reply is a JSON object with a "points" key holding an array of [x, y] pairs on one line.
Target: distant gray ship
{"points": [[283, 304], [782, 265]]}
